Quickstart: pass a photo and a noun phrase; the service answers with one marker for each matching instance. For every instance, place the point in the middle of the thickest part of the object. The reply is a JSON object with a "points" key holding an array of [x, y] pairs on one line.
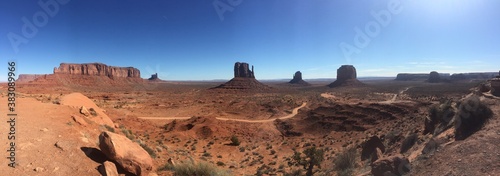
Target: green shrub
{"points": [[235, 141], [148, 149], [198, 169], [345, 162], [472, 114], [110, 129]]}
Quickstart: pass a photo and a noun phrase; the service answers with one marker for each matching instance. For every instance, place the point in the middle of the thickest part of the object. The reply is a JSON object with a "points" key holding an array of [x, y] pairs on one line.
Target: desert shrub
{"points": [[92, 112], [110, 129], [220, 163], [148, 149], [471, 115], [235, 141], [198, 169], [345, 162], [408, 142], [313, 157], [439, 118], [293, 173]]}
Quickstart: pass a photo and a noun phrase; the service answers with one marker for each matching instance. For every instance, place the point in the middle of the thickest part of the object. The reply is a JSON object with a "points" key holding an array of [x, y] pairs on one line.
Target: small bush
{"points": [[110, 129], [235, 141], [199, 169], [472, 114], [148, 149], [439, 118], [220, 163], [409, 141], [345, 162]]}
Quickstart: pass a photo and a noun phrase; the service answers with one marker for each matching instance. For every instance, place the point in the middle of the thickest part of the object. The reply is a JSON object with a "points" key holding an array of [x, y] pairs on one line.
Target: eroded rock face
{"points": [[241, 70], [434, 77], [24, 78], [393, 165], [244, 78], [97, 69], [132, 157], [346, 76], [297, 79], [346, 72]]}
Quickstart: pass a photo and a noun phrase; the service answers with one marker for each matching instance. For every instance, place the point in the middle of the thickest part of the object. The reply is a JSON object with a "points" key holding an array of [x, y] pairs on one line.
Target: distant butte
{"points": [[297, 79], [346, 76], [86, 74], [244, 78]]}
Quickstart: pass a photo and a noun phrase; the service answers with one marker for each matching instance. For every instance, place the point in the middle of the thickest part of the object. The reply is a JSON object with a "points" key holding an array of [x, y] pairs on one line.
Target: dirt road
{"points": [[295, 111]]}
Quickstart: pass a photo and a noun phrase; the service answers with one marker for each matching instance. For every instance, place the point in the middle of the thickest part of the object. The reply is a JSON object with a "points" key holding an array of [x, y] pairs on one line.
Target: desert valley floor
{"points": [[187, 122]]}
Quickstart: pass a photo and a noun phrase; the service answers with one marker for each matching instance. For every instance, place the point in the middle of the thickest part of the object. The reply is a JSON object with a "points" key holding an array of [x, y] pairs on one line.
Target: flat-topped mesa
{"points": [[346, 76], [98, 69], [25, 78], [297, 79], [241, 70]]}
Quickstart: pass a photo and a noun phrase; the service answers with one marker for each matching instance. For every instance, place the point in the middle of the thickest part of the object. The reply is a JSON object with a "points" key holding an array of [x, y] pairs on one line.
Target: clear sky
{"points": [[197, 40]]}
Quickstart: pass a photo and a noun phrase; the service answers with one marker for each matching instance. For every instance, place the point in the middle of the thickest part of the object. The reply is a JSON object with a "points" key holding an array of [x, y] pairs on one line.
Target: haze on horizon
{"points": [[201, 40]]}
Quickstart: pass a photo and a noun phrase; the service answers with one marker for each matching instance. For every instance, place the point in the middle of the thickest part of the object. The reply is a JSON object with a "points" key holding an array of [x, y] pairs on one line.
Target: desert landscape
{"points": [[92, 119]]}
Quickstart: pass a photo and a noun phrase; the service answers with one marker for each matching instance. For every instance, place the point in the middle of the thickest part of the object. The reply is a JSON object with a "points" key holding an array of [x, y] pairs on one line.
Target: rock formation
{"points": [[297, 79], [393, 165], [434, 77], [411, 76], [132, 157], [346, 76], [154, 77], [244, 78], [97, 69], [241, 70], [25, 78], [495, 85], [370, 146]]}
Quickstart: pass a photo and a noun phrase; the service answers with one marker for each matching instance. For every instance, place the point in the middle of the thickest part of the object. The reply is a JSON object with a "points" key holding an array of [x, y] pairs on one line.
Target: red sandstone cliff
{"points": [[98, 69]]}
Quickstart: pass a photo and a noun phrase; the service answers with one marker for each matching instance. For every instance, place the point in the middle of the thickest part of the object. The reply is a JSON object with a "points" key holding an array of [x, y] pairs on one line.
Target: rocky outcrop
{"points": [[393, 165], [97, 69], [369, 148], [154, 78], [25, 78], [244, 78], [346, 76], [478, 75], [411, 76], [297, 79], [495, 85], [132, 157], [241, 70], [434, 77]]}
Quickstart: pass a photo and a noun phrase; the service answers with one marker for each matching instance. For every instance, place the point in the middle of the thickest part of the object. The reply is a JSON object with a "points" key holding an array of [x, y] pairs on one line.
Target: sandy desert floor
{"points": [[187, 121]]}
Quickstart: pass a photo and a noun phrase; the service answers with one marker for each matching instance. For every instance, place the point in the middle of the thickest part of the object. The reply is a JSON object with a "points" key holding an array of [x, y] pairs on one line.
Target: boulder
{"points": [[129, 155], [393, 165], [346, 76], [495, 86], [108, 168], [370, 146], [84, 111], [79, 120], [97, 69]]}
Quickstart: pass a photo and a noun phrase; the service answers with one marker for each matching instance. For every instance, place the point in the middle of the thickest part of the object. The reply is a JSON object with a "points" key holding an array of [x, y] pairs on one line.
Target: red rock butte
{"points": [[244, 78], [86, 74], [346, 76], [297, 79]]}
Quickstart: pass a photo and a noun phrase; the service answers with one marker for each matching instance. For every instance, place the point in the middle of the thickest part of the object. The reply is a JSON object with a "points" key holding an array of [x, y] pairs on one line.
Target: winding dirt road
{"points": [[295, 111]]}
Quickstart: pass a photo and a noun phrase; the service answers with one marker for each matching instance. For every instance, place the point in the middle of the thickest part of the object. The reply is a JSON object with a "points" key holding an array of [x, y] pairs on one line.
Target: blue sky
{"points": [[194, 40]]}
